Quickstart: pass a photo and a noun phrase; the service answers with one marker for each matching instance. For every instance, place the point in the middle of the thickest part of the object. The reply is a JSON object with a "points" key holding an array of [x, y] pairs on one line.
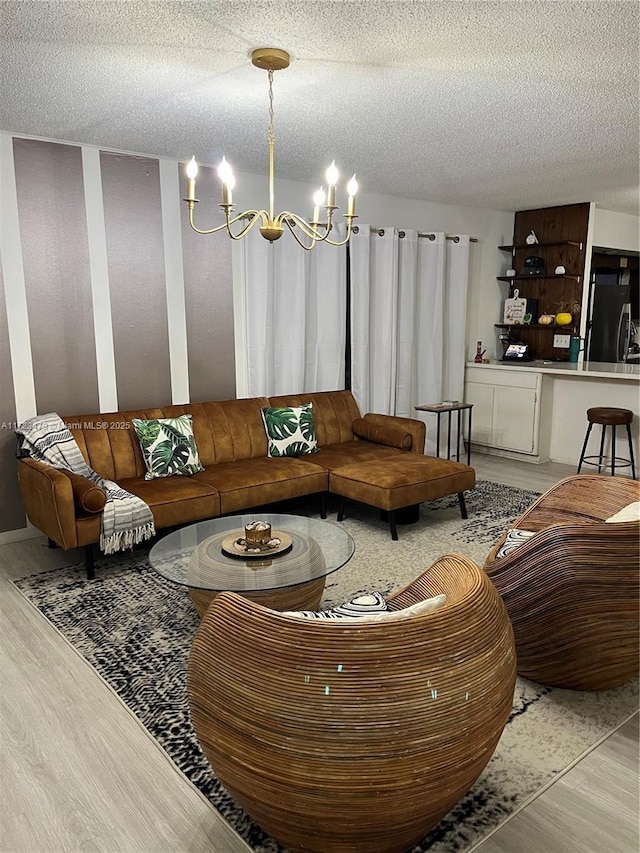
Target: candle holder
{"points": [[257, 534]]}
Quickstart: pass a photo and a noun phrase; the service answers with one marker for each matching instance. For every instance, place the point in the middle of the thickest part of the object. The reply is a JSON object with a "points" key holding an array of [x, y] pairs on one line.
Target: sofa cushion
{"points": [[290, 430], [388, 435], [347, 452], [181, 500], [263, 481], [402, 480], [226, 430], [168, 446], [109, 442]]}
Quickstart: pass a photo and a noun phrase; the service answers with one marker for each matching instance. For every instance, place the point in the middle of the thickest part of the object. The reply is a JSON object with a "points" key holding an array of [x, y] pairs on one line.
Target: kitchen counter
{"points": [[586, 369], [538, 409]]}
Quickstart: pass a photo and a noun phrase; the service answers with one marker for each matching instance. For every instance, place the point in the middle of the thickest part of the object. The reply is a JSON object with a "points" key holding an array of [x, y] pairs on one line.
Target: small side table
{"points": [[439, 409]]}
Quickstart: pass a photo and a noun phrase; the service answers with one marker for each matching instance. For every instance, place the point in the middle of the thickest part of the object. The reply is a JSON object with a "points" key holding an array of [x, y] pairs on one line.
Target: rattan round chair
{"points": [[340, 736], [571, 589]]}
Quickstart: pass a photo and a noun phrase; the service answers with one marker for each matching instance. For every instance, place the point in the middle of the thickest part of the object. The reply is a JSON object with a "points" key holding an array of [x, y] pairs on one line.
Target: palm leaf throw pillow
{"points": [[290, 430], [168, 446]]}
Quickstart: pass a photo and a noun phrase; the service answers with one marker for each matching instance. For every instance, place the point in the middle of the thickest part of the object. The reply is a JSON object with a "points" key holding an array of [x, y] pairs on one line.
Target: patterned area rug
{"points": [[135, 629]]}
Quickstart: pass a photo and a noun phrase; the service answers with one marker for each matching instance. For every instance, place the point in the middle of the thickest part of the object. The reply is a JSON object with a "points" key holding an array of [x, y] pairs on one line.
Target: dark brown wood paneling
{"points": [[558, 226], [55, 255], [135, 259], [12, 515], [208, 297]]}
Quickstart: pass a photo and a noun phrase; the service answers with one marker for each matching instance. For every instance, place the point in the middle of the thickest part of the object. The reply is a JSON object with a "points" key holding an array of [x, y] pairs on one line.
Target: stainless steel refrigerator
{"points": [[609, 333]]}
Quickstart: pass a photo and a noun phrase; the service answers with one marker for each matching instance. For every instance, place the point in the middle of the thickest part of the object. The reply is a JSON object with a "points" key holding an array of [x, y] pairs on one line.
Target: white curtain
{"points": [[294, 305], [374, 305], [408, 297]]}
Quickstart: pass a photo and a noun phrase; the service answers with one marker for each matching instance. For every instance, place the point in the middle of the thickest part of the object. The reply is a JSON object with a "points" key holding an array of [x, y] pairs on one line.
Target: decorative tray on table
{"points": [[257, 541]]}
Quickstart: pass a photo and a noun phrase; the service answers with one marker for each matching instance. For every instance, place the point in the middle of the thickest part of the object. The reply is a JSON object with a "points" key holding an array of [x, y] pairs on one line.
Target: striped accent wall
{"points": [[108, 300], [11, 513]]}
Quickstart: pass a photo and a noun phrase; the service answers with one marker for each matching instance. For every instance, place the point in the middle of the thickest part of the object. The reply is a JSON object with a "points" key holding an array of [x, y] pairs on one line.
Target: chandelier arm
{"points": [[203, 231], [307, 228], [251, 224], [297, 239], [348, 235], [315, 235], [254, 214]]}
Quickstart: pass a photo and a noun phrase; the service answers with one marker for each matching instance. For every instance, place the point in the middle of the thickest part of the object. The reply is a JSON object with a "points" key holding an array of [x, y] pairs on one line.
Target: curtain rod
{"points": [[380, 232], [427, 234]]}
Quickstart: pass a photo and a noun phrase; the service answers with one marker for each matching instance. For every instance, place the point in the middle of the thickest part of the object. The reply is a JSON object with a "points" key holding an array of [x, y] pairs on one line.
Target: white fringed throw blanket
{"points": [[126, 518]]}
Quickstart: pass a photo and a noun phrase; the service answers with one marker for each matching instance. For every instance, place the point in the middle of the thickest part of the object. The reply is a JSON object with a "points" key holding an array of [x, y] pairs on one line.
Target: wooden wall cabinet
{"points": [[562, 236]]}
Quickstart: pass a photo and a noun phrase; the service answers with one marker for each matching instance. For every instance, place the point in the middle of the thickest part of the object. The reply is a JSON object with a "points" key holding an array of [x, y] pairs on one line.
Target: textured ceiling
{"points": [[508, 105]]}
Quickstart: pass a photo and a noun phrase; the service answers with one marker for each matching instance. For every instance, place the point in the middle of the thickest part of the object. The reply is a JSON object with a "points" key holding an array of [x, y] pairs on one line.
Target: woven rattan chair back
{"points": [[342, 736], [571, 590]]}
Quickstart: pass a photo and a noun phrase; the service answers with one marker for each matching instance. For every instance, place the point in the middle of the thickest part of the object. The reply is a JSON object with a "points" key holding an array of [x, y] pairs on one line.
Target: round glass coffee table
{"points": [[198, 557]]}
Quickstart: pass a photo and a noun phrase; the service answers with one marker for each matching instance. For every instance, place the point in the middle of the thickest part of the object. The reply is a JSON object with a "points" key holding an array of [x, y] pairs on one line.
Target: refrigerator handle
{"points": [[624, 341]]}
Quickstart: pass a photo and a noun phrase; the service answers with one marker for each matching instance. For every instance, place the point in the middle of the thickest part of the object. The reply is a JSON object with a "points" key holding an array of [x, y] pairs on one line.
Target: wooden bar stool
{"points": [[608, 416]]}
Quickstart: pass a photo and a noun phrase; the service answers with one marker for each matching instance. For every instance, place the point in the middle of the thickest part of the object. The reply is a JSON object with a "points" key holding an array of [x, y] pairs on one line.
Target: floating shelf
{"points": [[574, 243], [550, 326], [535, 277]]}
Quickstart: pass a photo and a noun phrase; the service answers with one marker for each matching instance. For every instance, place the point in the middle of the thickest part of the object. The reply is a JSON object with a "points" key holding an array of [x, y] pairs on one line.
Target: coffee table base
{"points": [[302, 596]]}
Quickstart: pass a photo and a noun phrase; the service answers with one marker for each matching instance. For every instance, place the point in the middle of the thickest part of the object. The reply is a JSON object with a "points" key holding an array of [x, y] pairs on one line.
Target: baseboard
{"points": [[507, 454], [19, 535]]}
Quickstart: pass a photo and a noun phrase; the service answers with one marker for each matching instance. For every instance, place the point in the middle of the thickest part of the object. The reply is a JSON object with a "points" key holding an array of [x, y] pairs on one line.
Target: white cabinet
{"points": [[481, 397], [505, 408]]}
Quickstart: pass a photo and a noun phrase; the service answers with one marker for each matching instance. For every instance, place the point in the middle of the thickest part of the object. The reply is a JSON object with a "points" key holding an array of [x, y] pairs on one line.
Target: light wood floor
{"points": [[79, 773]]}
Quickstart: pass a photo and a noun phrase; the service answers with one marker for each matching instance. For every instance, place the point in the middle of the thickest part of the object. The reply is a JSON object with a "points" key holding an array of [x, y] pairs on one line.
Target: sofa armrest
{"points": [[415, 428], [47, 495]]}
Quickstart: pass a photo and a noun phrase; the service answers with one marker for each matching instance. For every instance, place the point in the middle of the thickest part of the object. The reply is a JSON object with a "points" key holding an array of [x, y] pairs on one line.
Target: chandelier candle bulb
{"points": [[332, 176], [192, 172], [352, 189], [228, 181], [318, 201]]}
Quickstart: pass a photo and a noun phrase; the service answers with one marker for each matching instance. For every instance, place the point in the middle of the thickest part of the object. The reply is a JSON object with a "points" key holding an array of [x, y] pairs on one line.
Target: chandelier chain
{"points": [[271, 135]]}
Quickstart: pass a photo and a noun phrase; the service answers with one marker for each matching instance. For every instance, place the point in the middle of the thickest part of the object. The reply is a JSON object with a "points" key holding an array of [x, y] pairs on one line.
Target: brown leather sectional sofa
{"points": [[238, 474]]}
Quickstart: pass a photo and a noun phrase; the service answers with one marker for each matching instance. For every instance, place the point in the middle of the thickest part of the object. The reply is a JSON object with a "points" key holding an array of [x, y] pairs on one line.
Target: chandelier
{"points": [[311, 232]]}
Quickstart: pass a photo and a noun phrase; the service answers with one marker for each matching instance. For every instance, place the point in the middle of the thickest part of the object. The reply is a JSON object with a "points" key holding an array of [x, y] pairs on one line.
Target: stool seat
{"points": [[609, 416]]}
